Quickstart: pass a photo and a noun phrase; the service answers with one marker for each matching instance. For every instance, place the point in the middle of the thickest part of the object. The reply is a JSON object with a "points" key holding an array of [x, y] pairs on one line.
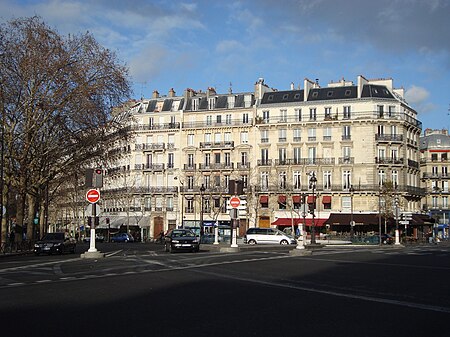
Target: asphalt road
{"points": [[139, 290]]}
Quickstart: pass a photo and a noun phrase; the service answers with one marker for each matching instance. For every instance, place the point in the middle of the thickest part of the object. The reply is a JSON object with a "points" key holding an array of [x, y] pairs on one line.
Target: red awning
{"points": [[308, 222], [326, 199], [282, 199], [296, 199], [311, 199], [264, 199]]}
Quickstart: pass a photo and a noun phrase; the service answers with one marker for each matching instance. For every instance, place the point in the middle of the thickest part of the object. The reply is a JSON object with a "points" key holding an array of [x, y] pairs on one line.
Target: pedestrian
{"points": [[12, 238]]}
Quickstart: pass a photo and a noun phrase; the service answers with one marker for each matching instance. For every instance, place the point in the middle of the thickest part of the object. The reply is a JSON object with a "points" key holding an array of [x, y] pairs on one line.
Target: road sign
{"points": [[89, 209], [235, 202], [404, 222], [92, 196], [234, 213]]}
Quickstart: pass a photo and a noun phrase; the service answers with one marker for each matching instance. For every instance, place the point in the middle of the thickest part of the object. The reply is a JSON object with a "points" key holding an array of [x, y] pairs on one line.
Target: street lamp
{"points": [[202, 191], [352, 223], [182, 200], [397, 234], [312, 185], [302, 235]]}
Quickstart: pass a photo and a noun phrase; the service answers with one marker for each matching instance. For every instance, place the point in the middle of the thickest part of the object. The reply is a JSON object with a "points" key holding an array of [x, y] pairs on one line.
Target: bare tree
{"points": [[56, 98]]}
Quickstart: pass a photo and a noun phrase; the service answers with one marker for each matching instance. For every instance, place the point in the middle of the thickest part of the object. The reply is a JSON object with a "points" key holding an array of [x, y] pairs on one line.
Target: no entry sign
{"points": [[93, 196], [235, 202]]}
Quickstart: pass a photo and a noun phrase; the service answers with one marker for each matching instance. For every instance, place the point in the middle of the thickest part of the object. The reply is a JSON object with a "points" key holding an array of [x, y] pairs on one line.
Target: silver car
{"points": [[268, 236]]}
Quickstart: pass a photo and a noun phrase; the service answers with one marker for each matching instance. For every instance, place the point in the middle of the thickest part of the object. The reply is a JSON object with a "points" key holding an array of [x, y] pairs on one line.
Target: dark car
{"points": [[375, 239], [122, 237], [55, 243], [181, 239]]}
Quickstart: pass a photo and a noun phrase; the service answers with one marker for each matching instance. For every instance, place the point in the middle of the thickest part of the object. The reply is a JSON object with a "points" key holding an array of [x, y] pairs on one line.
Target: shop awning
{"points": [[288, 222], [358, 218], [326, 199], [296, 199], [311, 199], [264, 199], [282, 199]]}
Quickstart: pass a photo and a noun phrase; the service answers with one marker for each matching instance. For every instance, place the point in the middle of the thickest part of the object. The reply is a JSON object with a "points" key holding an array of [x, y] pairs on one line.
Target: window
{"points": [[264, 181], [244, 137], [327, 112], [217, 158], [327, 180], [209, 120], [228, 119], [216, 181], [311, 155], [297, 135], [230, 102], [380, 111], [217, 137], [434, 202], [444, 171], [195, 102], [391, 111], [211, 103], [190, 140], [297, 155], [264, 156], [312, 114], [244, 158], [227, 159], [395, 178], [207, 137], [207, 181], [347, 112], [264, 136], [266, 116], [282, 180], [190, 182], [219, 119], [297, 180], [282, 135], [170, 160], [327, 133], [346, 153], [282, 156], [346, 180], [444, 202], [283, 115], [245, 118], [381, 177], [346, 132], [381, 129], [190, 160], [227, 136], [207, 159], [394, 155], [298, 115], [312, 134]]}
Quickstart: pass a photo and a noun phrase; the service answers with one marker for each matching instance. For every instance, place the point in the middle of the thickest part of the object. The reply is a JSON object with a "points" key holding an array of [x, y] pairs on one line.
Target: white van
{"points": [[268, 236]]}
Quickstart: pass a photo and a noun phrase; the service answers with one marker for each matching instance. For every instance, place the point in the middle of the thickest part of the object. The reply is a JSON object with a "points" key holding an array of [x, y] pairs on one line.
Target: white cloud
{"points": [[416, 95]]}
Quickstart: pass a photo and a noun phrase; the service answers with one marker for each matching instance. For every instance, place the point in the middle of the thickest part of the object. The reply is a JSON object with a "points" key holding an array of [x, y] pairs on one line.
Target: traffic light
{"points": [[97, 178], [94, 178]]}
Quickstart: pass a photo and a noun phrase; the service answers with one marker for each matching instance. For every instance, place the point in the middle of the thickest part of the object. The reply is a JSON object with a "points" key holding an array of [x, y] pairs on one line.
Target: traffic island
{"points": [[229, 249], [92, 255], [300, 252]]}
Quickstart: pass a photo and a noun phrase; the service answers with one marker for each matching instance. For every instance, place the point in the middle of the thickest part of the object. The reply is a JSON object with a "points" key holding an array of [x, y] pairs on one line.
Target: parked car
{"points": [[52, 243], [181, 239], [98, 238], [122, 237], [268, 236]]}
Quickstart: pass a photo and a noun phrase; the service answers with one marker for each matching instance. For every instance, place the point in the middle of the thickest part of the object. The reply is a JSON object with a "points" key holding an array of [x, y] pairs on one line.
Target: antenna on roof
{"points": [[230, 89]]}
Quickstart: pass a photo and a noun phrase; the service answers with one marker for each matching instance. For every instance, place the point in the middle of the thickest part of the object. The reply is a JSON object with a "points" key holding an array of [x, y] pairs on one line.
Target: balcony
{"points": [[149, 167], [243, 166], [217, 145], [346, 137], [161, 126], [189, 167], [216, 166], [150, 147], [346, 160], [388, 138], [226, 123], [389, 161], [427, 175], [413, 163], [264, 162]]}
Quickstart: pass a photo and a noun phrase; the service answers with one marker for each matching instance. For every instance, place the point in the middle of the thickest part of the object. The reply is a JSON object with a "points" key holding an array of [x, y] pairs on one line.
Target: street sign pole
{"points": [[234, 214]]}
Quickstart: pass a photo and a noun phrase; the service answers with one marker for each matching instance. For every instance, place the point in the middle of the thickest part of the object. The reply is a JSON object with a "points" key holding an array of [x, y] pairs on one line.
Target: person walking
{"points": [[12, 239]]}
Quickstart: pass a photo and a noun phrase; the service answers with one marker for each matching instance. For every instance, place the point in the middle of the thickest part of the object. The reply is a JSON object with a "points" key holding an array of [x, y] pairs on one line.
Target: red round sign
{"points": [[235, 202], [93, 196]]}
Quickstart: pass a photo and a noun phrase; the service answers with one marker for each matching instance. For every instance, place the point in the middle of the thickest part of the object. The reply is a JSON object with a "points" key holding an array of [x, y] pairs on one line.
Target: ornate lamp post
{"points": [[352, 223], [312, 185]]}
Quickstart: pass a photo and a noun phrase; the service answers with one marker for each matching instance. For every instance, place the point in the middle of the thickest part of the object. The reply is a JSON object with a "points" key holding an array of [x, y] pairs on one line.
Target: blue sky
{"points": [[205, 43]]}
